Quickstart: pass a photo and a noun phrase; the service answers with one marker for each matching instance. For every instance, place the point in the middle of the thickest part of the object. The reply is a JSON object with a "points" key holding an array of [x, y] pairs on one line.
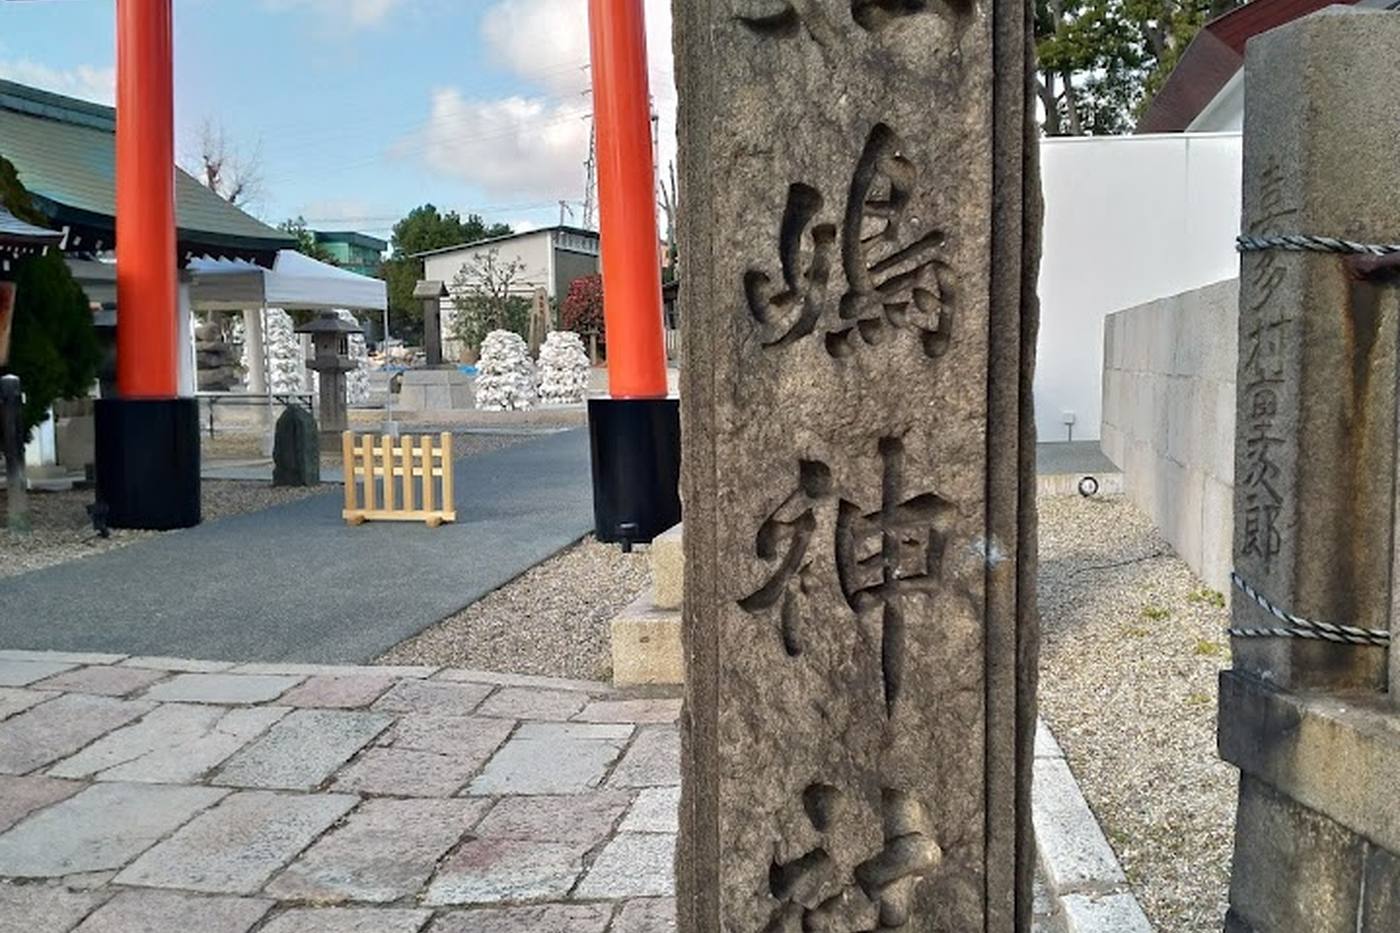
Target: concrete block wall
{"points": [[1169, 418]]}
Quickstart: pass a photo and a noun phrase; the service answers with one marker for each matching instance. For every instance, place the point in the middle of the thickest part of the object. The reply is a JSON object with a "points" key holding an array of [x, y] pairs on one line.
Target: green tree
{"points": [[425, 228], [306, 240], [53, 347], [486, 297], [1100, 61]]}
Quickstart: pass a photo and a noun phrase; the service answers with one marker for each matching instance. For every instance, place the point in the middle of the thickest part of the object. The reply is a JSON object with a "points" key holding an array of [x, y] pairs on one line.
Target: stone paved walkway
{"points": [[150, 794]]}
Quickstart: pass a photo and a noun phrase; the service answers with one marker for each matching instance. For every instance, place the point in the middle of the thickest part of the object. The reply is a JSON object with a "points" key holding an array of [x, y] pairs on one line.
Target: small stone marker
{"points": [[861, 247], [296, 449]]}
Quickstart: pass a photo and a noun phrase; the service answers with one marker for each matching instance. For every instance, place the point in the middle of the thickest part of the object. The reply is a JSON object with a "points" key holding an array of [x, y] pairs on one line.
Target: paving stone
{"points": [[456, 735], [1111, 913], [579, 819], [487, 871], [21, 796], [348, 920], [633, 865], [60, 727], [392, 671], [88, 880], [656, 810], [433, 696], [221, 688], [24, 673], [654, 760], [35, 908], [60, 657], [175, 743], [656, 710], [1072, 849], [541, 918], [594, 687], [185, 665], [1045, 744], [406, 772], [332, 691], [235, 847], [302, 749], [101, 828], [103, 680], [546, 759], [385, 850], [14, 700], [171, 911], [552, 731], [647, 915], [530, 703]]}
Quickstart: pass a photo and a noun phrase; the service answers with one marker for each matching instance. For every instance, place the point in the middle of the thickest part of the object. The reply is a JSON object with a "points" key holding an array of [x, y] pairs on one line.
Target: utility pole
{"points": [[590, 185]]}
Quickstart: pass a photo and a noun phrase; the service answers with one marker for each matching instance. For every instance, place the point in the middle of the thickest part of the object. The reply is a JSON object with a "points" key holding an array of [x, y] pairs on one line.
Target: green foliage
{"points": [[1156, 613], [1205, 648], [582, 310], [1207, 597], [423, 229], [1100, 61], [306, 240], [53, 346]]}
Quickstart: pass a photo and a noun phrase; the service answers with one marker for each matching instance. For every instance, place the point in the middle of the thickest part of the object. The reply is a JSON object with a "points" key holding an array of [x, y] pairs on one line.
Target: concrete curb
{"points": [[1084, 884]]}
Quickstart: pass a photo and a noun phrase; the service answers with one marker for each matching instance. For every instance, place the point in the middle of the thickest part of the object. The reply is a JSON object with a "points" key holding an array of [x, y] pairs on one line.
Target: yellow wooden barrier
{"points": [[395, 477]]}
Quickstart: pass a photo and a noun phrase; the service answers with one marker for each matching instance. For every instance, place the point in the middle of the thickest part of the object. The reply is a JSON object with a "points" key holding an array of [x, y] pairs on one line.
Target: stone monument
{"points": [[1304, 713], [431, 292], [859, 324]]}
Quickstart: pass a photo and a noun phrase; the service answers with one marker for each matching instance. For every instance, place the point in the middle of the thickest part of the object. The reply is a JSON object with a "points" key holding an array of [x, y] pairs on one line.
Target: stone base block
{"points": [[1318, 826], [435, 390], [646, 645], [668, 569]]}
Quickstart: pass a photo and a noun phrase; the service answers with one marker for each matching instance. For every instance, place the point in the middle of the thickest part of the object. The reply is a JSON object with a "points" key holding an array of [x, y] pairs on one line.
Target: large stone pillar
{"points": [[861, 250], [1304, 713]]}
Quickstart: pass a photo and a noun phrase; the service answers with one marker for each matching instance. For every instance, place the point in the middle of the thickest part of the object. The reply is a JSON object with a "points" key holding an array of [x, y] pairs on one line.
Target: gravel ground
{"points": [[1132, 643], [63, 532], [244, 446], [551, 620]]}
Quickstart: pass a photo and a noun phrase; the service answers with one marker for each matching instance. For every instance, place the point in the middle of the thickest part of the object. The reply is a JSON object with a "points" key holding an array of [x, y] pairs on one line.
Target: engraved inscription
{"points": [[882, 555], [895, 274], [1263, 376], [782, 18], [815, 892]]}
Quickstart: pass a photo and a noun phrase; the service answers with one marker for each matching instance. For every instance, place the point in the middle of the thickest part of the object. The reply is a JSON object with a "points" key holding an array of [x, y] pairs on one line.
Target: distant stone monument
{"points": [[1305, 712], [431, 292], [858, 306], [539, 320], [296, 450]]}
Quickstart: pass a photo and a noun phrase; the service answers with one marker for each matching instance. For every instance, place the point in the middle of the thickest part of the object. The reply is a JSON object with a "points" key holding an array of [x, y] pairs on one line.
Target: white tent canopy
{"points": [[295, 282]]}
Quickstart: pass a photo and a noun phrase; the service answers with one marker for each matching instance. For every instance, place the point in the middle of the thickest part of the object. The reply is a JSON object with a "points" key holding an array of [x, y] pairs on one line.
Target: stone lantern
{"points": [[330, 357]]}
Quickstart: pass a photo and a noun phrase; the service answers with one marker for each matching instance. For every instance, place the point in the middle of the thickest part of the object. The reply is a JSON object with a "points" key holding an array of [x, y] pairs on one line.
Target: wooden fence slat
{"points": [[449, 501], [347, 460], [429, 491], [406, 462], [367, 464], [386, 452]]}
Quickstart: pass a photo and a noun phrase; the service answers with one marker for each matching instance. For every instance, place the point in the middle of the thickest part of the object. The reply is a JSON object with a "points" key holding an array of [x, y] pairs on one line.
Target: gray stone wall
{"points": [[1169, 418]]}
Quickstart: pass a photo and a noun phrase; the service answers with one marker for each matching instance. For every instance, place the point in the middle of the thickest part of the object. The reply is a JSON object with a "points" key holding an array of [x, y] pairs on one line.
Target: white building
{"points": [[551, 257]]}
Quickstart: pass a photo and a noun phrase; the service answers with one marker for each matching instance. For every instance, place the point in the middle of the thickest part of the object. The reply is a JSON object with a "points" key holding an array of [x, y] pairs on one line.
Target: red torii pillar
{"points": [[147, 437], [636, 433]]}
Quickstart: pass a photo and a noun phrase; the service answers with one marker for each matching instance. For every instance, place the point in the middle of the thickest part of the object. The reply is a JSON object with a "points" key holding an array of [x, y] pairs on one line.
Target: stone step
{"points": [[646, 645], [668, 568]]}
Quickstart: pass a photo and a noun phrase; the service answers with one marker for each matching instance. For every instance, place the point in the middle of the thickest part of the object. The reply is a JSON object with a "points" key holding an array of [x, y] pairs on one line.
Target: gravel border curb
{"points": [[1087, 889]]}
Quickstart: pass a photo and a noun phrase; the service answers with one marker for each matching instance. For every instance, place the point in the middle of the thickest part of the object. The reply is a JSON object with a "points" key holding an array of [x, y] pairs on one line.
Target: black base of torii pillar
{"points": [[147, 453]]}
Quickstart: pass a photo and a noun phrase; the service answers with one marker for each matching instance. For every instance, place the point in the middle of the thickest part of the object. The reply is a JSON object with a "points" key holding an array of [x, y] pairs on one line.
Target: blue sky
{"points": [[356, 111]]}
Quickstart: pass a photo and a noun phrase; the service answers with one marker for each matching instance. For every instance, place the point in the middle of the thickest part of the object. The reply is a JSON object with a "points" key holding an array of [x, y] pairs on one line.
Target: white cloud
{"points": [[534, 145], [352, 12], [84, 81], [515, 146]]}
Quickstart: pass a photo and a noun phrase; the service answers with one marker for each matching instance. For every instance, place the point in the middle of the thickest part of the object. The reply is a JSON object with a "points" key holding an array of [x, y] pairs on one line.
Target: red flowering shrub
{"points": [[582, 310]]}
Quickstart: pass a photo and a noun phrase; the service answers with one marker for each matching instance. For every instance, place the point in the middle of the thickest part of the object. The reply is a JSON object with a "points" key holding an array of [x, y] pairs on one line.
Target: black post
{"points": [[12, 435]]}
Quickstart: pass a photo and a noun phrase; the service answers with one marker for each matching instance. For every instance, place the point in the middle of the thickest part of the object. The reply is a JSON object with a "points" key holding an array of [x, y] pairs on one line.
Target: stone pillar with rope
{"points": [[1307, 713]]}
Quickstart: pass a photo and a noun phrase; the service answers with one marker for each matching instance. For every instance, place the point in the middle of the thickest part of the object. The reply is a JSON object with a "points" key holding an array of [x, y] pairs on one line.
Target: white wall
{"points": [[1128, 219]]}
